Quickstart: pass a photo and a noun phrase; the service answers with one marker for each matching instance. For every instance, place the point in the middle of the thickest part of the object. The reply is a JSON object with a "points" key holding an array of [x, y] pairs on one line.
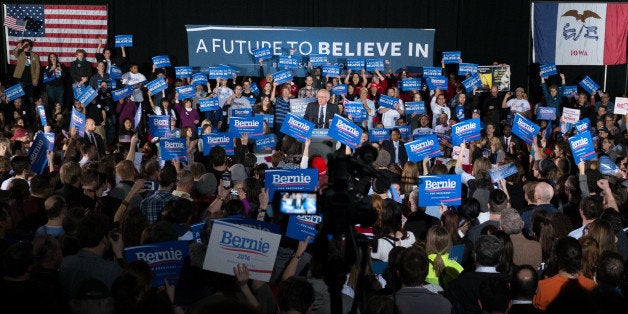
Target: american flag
{"points": [[15, 24], [58, 28]]}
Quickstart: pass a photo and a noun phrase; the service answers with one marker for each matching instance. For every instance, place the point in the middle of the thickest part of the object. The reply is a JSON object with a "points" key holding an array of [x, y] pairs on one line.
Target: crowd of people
{"points": [[549, 238]]}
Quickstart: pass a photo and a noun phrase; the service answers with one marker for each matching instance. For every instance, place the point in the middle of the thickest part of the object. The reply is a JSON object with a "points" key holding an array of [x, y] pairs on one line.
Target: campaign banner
{"points": [[451, 57], [467, 68], [290, 180], [254, 88], [197, 230], [339, 89], [546, 113], [208, 104], [14, 92], [409, 84], [607, 166], [378, 135], [165, 259], [298, 105], [241, 112], [262, 53], [582, 147], [115, 73], [157, 85], [434, 82], [317, 60], [159, 126], [297, 127], [123, 41], [51, 140], [432, 71], [302, 226], [76, 90], [252, 223], [183, 72], [42, 115], [356, 110], [423, 146], [524, 129], [173, 149], [468, 130], [331, 70], [38, 153], [570, 90], [404, 131], [320, 134], [471, 82], [388, 101], [161, 61], [288, 62], [235, 45], [77, 120], [87, 96], [268, 118], [218, 139], [199, 79], [621, 106], [266, 141], [582, 125], [589, 85], [230, 245], [121, 93], [440, 189], [246, 125], [413, 107], [503, 172], [219, 72], [548, 70], [185, 92], [345, 131], [374, 64], [355, 64], [571, 115], [281, 77]]}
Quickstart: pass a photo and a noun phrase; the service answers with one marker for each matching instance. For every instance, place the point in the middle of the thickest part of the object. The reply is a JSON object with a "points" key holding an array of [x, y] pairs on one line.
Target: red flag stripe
{"points": [[82, 17], [76, 7], [76, 26]]}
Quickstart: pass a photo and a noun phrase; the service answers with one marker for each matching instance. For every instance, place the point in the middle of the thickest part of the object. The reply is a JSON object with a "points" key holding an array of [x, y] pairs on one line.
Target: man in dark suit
{"points": [[94, 138], [523, 287], [321, 112], [395, 147]]}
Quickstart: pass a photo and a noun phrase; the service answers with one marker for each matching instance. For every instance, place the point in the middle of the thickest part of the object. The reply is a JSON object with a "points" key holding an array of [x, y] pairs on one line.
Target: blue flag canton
{"points": [[34, 17]]}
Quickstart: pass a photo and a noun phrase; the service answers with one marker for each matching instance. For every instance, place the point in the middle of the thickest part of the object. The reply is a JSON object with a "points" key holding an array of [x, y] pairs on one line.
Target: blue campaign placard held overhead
{"points": [[114, 72], [208, 104], [290, 180], [355, 64], [158, 126], [471, 82], [582, 147], [451, 57], [582, 125], [388, 101], [434, 82], [345, 131], [524, 129], [546, 113], [374, 64], [157, 85], [356, 110], [165, 259], [173, 149], [199, 79], [378, 135], [121, 93], [297, 127], [246, 125], [548, 70], [186, 91], [87, 96], [38, 153], [339, 89], [266, 141], [262, 53], [331, 70], [123, 41], [14, 92], [570, 90], [413, 107], [77, 120], [440, 189], [468, 130], [467, 68], [302, 226], [41, 111], [183, 72], [218, 139], [432, 71], [161, 61], [281, 77], [410, 84], [503, 171], [219, 73], [589, 85], [423, 146], [317, 60], [288, 62]]}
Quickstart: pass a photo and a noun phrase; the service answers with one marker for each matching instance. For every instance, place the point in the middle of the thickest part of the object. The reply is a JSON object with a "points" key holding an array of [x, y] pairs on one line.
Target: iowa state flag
{"points": [[580, 33]]}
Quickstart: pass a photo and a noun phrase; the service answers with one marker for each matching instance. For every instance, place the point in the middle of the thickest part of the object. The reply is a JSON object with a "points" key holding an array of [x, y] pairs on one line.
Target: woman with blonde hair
{"points": [[590, 254], [442, 270], [497, 151], [409, 176], [603, 233]]}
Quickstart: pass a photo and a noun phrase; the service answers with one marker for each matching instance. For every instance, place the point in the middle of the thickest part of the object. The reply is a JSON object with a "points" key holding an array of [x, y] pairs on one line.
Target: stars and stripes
{"points": [[14, 24]]}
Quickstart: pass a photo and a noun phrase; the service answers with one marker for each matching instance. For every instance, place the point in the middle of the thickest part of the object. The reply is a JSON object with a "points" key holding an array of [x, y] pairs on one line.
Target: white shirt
{"points": [[438, 110], [7, 182], [223, 93], [384, 247], [578, 233], [518, 105], [130, 78], [390, 117]]}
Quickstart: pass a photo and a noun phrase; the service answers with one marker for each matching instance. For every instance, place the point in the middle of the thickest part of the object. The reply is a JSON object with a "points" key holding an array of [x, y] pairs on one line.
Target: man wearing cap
{"points": [[395, 147], [321, 112]]}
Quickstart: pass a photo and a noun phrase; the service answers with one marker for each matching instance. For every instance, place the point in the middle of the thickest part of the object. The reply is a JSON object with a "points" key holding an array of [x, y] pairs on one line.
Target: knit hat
{"points": [[320, 164], [206, 184], [383, 159], [238, 173]]}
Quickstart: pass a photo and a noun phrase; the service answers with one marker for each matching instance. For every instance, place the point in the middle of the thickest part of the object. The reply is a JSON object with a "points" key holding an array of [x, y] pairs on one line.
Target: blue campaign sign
{"points": [[87, 96], [404, 131], [219, 73], [298, 105], [14, 92], [374, 64], [77, 120], [47, 78], [546, 113], [254, 88], [432, 71], [468, 130], [317, 60], [607, 166], [589, 85], [241, 112], [42, 115], [121, 93], [356, 110], [471, 82], [339, 89], [320, 134], [355, 64], [38, 153], [302, 226], [345, 131], [51, 139], [218, 139], [467, 68], [423, 146], [503, 171], [209, 44], [582, 146], [440, 189], [186, 91], [288, 62], [138, 115], [290, 180], [252, 223], [115, 72], [265, 141], [417, 107], [268, 118], [248, 125], [409, 84], [173, 149], [331, 70], [451, 57], [157, 85], [570, 90], [77, 90], [164, 258], [548, 70], [158, 126], [282, 76], [524, 129], [434, 82], [123, 41], [161, 61], [378, 135], [208, 104], [388, 101], [582, 125], [297, 127], [183, 72], [262, 53], [199, 79], [197, 231]]}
